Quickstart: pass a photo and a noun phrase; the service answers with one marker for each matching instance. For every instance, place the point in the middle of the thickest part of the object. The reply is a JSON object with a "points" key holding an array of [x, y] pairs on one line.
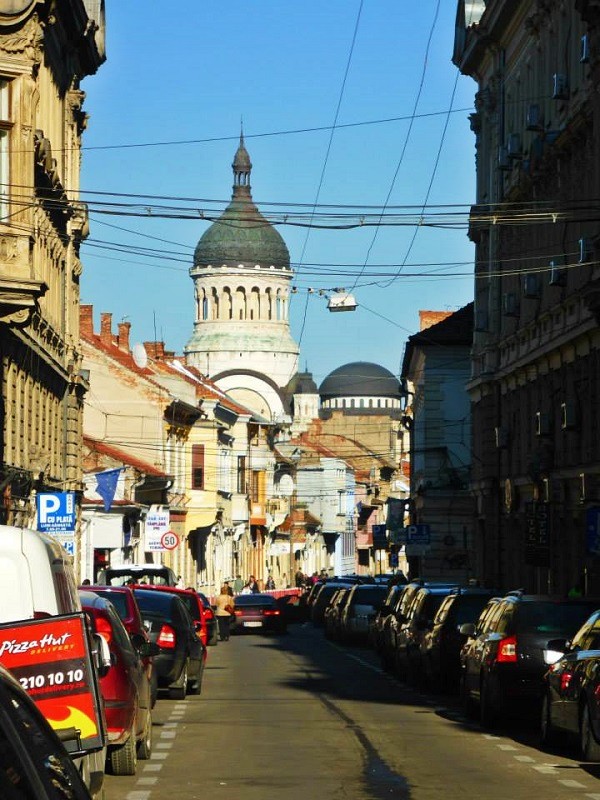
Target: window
{"points": [[197, 466], [241, 475], [5, 126]]}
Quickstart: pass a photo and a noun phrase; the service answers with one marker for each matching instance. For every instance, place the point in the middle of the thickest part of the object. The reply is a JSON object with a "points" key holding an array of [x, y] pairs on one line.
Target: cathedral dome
{"points": [[360, 379], [242, 236]]}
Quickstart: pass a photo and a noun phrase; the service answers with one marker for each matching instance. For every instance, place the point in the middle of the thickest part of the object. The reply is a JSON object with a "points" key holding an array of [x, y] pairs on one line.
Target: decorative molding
{"points": [[28, 41]]}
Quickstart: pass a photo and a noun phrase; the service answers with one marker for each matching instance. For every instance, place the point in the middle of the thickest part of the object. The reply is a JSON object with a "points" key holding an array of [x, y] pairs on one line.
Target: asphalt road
{"points": [[297, 717]]}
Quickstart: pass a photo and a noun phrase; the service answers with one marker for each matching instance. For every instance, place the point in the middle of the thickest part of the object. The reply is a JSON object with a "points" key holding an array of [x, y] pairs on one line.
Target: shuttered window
{"points": [[198, 466]]}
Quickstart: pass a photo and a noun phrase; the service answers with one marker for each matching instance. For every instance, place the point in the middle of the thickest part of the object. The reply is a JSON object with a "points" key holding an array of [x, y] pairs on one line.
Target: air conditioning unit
{"points": [[585, 250], [558, 275], [542, 424], [481, 320], [510, 306], [534, 119], [513, 147], [503, 159], [584, 52], [560, 86], [568, 415], [501, 435], [531, 286]]}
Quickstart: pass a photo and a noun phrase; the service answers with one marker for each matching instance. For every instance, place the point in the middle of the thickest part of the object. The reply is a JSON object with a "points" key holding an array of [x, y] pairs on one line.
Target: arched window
{"points": [[205, 306], [215, 305], [239, 310], [227, 306], [254, 304]]}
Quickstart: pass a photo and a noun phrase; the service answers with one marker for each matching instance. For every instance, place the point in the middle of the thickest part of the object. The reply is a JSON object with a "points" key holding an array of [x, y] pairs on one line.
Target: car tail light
{"points": [[167, 637], [208, 613], [104, 628], [238, 612], [507, 650], [271, 612], [565, 680]]}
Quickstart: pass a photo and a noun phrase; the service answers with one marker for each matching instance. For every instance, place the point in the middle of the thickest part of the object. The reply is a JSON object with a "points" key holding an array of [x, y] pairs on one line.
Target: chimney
{"points": [[86, 321], [155, 350], [123, 336], [106, 328]]}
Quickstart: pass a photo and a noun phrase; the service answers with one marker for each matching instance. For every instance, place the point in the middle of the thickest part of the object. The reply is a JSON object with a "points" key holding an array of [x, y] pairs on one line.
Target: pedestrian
{"points": [[86, 582], [238, 584], [284, 581], [223, 612], [299, 579], [270, 583], [229, 589], [247, 588], [253, 584]]}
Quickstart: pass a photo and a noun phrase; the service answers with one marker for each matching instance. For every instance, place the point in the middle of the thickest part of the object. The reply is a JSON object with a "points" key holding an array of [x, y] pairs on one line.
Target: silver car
{"points": [[360, 609]]}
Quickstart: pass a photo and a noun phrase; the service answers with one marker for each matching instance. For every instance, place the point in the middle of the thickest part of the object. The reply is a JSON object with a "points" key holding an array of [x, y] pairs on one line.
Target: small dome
{"points": [[241, 235], [360, 379], [302, 383]]}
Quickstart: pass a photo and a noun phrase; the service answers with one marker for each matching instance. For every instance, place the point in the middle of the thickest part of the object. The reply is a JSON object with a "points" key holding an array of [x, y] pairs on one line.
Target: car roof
{"points": [[93, 600]]}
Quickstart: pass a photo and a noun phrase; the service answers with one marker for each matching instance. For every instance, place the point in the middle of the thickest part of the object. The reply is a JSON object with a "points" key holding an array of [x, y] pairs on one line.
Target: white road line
{"points": [[152, 767], [179, 707], [491, 737], [572, 784], [546, 770], [147, 781], [137, 795], [506, 747], [163, 745], [158, 756], [593, 796], [525, 759], [168, 734], [170, 725]]}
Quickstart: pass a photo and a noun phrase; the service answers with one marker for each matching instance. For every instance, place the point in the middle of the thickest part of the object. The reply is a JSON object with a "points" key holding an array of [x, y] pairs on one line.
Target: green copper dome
{"points": [[241, 235]]}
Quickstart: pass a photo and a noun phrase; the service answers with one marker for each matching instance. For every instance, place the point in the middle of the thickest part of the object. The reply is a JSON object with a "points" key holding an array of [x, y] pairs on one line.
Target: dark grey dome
{"points": [[242, 235], [360, 379], [302, 383]]}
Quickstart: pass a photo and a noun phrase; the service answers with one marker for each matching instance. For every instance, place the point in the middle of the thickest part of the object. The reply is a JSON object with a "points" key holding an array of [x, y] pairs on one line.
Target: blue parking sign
{"points": [[56, 512]]}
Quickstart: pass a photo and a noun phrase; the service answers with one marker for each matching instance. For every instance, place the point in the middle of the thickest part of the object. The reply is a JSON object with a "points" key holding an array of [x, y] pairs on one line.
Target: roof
{"points": [[97, 446], [360, 379], [241, 236], [457, 329]]}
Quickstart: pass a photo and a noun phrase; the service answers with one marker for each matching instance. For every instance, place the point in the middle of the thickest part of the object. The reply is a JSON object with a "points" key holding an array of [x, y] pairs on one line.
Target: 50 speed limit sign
{"points": [[169, 540]]}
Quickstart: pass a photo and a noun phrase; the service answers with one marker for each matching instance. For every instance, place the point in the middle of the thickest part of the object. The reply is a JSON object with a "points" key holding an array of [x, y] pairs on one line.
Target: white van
{"points": [[36, 576], [37, 581]]}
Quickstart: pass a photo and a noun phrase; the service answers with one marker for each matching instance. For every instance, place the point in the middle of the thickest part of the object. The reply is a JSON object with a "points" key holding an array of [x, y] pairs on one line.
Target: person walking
{"points": [[223, 612], [270, 583], [238, 584]]}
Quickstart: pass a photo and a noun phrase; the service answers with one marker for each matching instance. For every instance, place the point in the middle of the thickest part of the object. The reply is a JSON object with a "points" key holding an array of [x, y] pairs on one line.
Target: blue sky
{"points": [[192, 72]]}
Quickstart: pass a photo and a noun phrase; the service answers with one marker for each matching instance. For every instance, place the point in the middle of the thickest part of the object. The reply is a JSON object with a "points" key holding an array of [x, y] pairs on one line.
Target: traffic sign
{"points": [[380, 541], [169, 540], [418, 534], [56, 512]]}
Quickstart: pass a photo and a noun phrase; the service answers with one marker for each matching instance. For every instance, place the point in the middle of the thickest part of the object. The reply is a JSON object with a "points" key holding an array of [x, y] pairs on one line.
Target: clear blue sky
{"points": [[191, 70]]}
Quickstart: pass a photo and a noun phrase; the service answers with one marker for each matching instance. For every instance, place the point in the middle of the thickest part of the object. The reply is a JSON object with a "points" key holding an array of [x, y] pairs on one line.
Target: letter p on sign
{"points": [[49, 504]]}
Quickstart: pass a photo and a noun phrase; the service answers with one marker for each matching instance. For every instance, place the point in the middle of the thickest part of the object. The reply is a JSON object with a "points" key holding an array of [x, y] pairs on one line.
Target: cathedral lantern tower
{"points": [[242, 274]]}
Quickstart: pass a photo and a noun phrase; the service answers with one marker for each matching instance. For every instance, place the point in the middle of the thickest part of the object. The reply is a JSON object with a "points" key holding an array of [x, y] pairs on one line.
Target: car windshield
{"points": [[467, 609], [370, 595], [118, 599], [555, 618]]}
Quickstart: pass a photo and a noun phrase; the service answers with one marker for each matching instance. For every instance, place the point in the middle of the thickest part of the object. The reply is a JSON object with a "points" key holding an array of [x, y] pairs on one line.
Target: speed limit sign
{"points": [[169, 540]]}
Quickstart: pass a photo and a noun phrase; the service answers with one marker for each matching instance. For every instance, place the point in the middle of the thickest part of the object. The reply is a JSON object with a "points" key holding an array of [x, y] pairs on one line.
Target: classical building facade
{"points": [[41, 227], [535, 384], [242, 275]]}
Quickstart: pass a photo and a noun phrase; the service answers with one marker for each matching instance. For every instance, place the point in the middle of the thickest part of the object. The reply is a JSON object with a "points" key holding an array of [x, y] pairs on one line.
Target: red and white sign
{"points": [[169, 540]]}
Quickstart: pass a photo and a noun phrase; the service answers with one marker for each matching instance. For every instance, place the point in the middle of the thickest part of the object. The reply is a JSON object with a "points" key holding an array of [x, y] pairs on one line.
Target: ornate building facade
{"points": [[41, 227], [242, 275]]}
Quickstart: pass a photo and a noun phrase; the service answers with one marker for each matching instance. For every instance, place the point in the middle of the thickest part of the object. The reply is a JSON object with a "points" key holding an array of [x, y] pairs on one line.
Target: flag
{"points": [[106, 485]]}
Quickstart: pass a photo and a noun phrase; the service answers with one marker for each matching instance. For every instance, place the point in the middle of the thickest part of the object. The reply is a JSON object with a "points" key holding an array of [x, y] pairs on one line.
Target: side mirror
{"points": [[467, 629], [148, 649], [102, 655]]}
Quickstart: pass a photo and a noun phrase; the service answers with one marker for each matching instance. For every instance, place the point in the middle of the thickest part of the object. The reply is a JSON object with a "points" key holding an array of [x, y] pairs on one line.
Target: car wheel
{"points": [[123, 760], [590, 748], [144, 749], [178, 690], [488, 706], [214, 637], [548, 734], [196, 684]]}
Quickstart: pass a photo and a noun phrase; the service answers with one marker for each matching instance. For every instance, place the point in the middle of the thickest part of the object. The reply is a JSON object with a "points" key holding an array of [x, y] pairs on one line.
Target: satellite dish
{"points": [[285, 486], [139, 355]]}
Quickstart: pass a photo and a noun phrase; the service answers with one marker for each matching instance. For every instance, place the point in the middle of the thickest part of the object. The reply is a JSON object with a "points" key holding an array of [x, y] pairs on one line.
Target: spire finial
{"points": [[242, 166]]}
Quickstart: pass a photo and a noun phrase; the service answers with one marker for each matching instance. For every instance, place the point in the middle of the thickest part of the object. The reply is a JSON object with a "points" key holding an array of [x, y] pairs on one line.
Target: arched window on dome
{"points": [[269, 304], [239, 306], [204, 306], [227, 303], [254, 303], [370, 402], [278, 305], [215, 305]]}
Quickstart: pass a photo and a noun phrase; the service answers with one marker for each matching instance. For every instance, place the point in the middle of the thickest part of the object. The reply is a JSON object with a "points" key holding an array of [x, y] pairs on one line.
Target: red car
{"points": [[193, 604], [125, 687], [123, 599]]}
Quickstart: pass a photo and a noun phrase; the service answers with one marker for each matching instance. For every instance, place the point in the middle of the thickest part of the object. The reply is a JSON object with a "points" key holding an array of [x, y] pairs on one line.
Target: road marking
{"points": [[572, 784], [168, 734], [164, 745], [546, 770], [506, 747], [147, 781], [158, 756], [525, 759], [137, 795], [593, 796], [170, 725], [179, 707], [152, 767]]}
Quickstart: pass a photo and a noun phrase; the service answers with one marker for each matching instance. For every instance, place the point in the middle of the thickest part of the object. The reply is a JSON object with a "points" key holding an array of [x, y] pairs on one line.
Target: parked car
{"points": [[212, 634], [502, 662], [180, 661], [322, 599], [293, 607], [156, 574], [257, 612], [194, 605], [333, 612], [364, 601], [441, 646], [410, 633], [126, 687], [378, 622], [33, 760], [571, 701], [126, 606]]}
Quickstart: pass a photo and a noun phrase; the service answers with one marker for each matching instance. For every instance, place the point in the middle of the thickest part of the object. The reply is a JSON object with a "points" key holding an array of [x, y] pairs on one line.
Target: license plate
{"points": [[252, 624]]}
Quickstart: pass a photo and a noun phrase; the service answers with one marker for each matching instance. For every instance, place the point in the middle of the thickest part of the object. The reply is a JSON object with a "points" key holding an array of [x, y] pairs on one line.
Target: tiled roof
{"points": [[120, 455]]}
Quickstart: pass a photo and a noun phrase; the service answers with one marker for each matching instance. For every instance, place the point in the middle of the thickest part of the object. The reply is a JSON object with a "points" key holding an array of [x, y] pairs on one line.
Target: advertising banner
{"points": [[157, 524], [51, 660]]}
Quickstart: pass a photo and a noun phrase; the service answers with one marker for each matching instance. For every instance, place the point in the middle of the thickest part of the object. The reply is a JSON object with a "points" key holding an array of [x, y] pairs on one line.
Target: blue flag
{"points": [[106, 485]]}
